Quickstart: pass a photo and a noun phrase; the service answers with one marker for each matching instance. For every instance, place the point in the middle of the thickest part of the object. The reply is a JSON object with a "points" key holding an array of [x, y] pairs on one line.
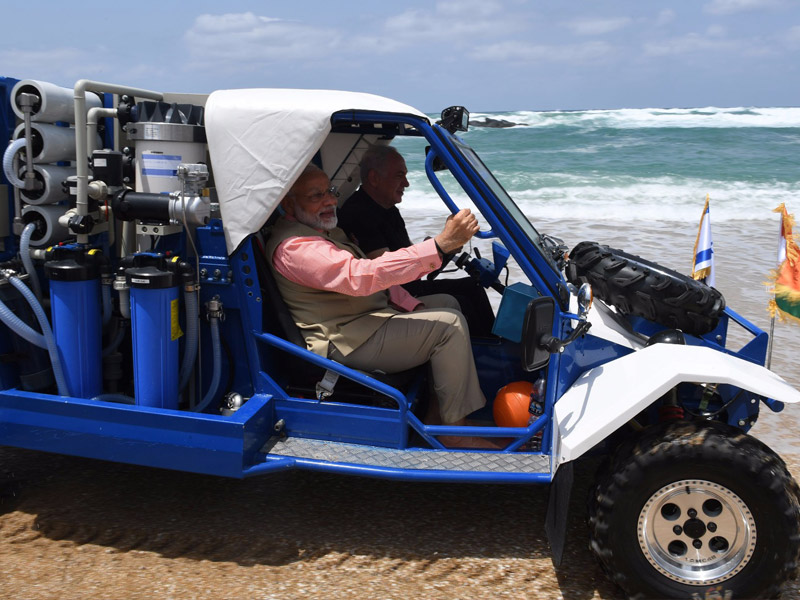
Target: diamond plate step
{"points": [[422, 460]]}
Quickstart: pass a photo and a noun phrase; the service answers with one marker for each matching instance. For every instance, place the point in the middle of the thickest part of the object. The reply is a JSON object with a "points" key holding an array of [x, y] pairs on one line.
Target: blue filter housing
{"points": [[156, 331], [77, 320]]}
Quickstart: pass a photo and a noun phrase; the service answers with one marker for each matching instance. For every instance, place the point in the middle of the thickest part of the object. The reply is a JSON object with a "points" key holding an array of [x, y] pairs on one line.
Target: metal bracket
{"points": [[157, 229]]}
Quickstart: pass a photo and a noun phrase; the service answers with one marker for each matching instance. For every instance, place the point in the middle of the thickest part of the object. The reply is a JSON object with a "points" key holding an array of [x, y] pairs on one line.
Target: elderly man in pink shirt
{"points": [[353, 310]]}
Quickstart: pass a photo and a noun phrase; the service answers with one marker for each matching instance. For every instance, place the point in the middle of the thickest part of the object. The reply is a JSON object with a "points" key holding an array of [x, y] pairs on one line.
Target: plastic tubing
{"points": [[19, 327], [8, 163], [217, 348], [50, 340], [27, 261], [190, 347]]}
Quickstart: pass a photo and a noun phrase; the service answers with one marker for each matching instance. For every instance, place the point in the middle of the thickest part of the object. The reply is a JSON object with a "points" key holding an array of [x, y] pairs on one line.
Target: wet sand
{"points": [[74, 528], [77, 529]]}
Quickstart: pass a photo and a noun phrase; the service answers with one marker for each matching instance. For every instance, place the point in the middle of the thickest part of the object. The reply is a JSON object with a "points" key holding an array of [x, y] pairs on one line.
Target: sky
{"points": [[487, 55]]}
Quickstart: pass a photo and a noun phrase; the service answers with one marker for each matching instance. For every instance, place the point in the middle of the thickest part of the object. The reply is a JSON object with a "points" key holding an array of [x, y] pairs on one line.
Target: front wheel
{"points": [[696, 510]]}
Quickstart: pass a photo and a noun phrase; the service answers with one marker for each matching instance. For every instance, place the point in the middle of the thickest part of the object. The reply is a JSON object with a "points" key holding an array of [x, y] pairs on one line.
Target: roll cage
{"points": [[507, 221]]}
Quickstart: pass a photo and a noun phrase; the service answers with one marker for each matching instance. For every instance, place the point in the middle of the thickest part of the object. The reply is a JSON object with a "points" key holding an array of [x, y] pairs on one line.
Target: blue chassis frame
{"points": [[232, 446]]}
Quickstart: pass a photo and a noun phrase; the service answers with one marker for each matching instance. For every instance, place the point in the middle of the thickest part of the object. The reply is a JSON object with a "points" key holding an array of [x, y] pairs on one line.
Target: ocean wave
{"points": [[614, 199], [641, 118]]}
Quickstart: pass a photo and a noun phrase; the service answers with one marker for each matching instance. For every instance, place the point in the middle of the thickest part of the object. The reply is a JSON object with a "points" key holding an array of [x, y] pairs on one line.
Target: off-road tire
{"points": [[723, 463], [636, 286]]}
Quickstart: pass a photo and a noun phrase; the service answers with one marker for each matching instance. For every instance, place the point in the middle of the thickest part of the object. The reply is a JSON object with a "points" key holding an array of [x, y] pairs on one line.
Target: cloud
{"points": [[62, 64], [469, 8], [450, 21], [729, 7], [692, 43], [665, 17], [792, 37], [241, 40], [516, 51], [598, 26], [248, 38]]}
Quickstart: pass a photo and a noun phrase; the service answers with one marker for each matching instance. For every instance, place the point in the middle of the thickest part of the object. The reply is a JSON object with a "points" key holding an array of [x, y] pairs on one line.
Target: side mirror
{"points": [[455, 118], [585, 300], [537, 326]]}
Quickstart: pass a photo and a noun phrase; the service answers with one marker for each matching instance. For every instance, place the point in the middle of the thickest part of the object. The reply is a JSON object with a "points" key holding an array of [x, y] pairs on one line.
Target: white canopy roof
{"points": [[260, 140]]}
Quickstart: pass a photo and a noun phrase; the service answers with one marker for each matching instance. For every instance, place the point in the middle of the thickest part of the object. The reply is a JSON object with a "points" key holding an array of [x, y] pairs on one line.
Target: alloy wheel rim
{"points": [[696, 532]]}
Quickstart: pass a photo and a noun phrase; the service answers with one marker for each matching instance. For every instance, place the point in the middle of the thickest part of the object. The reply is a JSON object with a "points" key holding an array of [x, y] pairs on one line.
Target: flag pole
{"points": [[769, 343]]}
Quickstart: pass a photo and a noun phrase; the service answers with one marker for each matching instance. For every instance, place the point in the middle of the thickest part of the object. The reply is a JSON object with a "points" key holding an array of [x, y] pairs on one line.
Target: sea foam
{"points": [[635, 118]]}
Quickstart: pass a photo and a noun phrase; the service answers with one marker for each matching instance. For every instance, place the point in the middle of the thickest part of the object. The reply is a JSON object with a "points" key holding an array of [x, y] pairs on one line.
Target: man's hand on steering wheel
{"points": [[458, 230]]}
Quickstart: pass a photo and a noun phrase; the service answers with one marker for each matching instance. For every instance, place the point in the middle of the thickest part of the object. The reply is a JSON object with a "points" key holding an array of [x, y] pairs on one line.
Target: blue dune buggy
{"points": [[141, 325]]}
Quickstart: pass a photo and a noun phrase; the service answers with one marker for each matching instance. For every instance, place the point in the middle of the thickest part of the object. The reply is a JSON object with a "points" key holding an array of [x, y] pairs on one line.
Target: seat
{"points": [[300, 378]]}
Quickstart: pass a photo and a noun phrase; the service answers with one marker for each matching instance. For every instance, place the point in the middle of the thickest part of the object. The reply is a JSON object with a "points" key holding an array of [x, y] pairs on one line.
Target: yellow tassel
{"points": [[783, 317]]}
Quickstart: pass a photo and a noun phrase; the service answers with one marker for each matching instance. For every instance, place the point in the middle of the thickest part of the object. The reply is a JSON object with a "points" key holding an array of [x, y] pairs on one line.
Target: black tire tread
{"points": [[642, 288], [692, 441]]}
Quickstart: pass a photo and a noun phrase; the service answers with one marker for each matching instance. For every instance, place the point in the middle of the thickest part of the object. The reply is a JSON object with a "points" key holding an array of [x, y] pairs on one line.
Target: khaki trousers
{"points": [[437, 333]]}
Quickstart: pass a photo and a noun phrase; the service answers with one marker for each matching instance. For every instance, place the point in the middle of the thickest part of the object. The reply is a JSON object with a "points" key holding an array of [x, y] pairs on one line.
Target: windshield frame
{"points": [[508, 222]]}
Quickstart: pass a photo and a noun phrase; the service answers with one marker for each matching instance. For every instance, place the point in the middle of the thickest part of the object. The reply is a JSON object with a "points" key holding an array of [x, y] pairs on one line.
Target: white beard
{"points": [[314, 220]]}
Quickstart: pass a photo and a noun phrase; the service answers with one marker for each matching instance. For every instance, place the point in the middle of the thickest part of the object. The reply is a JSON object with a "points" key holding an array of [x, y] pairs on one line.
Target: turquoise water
{"points": [[637, 179], [638, 164]]}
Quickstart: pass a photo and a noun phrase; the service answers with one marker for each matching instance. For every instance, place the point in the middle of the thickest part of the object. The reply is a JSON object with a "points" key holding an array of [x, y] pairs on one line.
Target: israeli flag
{"points": [[703, 267]]}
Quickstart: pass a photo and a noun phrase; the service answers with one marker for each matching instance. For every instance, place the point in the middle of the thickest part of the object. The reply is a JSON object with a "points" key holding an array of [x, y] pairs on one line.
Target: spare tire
{"points": [[639, 287]]}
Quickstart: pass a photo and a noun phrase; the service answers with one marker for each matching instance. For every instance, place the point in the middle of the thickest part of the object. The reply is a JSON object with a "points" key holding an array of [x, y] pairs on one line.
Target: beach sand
{"points": [[74, 528]]}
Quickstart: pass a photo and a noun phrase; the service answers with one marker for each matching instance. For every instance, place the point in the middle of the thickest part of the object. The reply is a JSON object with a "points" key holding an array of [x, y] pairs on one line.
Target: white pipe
{"points": [[81, 145], [92, 118]]}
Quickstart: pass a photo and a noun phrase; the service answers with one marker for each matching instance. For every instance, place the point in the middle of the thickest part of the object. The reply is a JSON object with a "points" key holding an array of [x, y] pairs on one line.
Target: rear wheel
{"points": [[696, 510]]}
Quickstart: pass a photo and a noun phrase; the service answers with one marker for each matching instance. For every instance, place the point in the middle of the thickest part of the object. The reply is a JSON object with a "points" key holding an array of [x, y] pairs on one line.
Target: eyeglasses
{"points": [[320, 196]]}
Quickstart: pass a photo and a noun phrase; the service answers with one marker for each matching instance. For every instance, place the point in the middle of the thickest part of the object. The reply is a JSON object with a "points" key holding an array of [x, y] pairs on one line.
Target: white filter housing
{"points": [[51, 176], [55, 103], [51, 231], [51, 143], [157, 163], [160, 148]]}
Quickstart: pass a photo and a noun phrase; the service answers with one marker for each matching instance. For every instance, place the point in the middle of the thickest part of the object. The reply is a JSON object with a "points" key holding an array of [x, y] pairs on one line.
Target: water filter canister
{"points": [[77, 318], [156, 333]]}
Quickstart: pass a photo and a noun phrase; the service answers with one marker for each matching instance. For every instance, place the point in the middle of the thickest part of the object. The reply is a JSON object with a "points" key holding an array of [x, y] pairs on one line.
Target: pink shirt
{"points": [[319, 264]]}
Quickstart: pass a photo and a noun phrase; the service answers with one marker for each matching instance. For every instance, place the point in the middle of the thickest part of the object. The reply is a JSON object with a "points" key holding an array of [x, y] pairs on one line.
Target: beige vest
{"points": [[325, 316]]}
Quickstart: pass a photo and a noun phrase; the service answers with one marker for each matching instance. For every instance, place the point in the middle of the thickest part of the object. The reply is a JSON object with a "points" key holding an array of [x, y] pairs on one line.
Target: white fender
{"points": [[604, 398]]}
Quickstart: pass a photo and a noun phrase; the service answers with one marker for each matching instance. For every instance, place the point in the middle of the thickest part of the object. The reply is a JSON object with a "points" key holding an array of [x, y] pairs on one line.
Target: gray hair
{"points": [[375, 158], [311, 169]]}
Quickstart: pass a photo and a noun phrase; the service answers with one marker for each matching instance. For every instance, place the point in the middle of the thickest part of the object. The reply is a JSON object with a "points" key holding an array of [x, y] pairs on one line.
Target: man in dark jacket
{"points": [[371, 219]]}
